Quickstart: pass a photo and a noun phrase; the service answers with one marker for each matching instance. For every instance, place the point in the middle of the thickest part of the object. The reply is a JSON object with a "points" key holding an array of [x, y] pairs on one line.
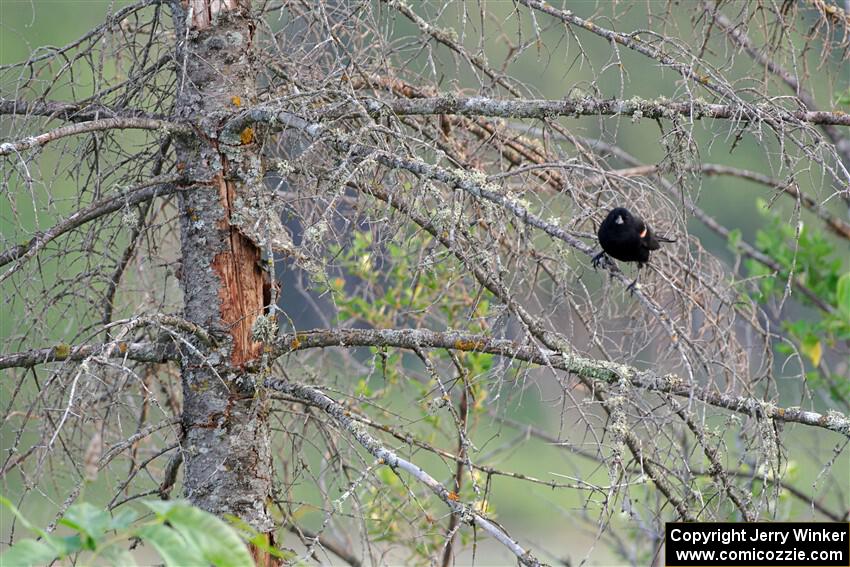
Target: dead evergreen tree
{"points": [[189, 184]]}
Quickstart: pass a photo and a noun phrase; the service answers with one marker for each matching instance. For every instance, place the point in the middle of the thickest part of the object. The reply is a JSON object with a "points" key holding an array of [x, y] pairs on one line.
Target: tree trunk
{"points": [[228, 467]]}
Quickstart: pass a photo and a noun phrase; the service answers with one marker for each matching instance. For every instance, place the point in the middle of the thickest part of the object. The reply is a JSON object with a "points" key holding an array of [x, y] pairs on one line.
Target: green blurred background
{"points": [[27, 25]]}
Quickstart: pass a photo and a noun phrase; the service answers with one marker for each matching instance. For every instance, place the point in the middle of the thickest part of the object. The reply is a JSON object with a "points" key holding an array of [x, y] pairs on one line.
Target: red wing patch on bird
{"points": [[643, 233]]}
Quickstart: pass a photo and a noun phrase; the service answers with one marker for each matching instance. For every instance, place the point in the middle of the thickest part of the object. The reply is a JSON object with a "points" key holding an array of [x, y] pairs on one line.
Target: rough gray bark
{"points": [[227, 453]]}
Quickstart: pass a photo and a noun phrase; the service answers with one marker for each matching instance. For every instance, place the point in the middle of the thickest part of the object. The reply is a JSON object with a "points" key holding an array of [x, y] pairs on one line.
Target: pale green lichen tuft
{"points": [[316, 233], [129, 217], [837, 421], [284, 167], [436, 404], [264, 329]]}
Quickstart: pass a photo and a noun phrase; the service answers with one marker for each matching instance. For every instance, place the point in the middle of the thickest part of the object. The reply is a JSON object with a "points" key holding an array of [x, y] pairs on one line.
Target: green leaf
{"points": [[117, 554], [219, 543], [388, 477], [12, 508], [60, 546], [67, 545], [257, 539], [363, 389], [123, 519], [163, 507], [811, 347], [174, 550], [88, 520], [261, 542], [28, 552], [734, 238], [842, 295]]}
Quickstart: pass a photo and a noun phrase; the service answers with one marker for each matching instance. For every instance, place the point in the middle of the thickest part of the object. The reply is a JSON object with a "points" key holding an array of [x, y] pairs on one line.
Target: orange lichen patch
{"points": [[247, 136], [236, 100], [453, 496], [462, 344], [780, 413], [295, 343], [122, 347]]}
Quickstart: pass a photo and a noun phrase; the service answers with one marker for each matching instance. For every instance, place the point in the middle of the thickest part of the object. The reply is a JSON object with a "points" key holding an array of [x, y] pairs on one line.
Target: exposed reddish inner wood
{"points": [[242, 283], [263, 558]]}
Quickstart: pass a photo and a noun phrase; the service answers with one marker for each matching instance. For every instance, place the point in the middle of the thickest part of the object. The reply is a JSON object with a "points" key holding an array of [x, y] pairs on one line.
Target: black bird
{"points": [[626, 237]]}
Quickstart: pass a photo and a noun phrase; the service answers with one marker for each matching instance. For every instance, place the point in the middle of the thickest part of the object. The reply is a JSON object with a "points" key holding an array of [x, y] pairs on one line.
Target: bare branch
{"points": [[139, 352], [739, 37], [70, 111], [392, 460], [590, 106], [751, 475], [834, 223], [376, 170], [450, 42], [633, 42], [326, 543], [594, 369], [111, 21], [7, 148], [154, 187]]}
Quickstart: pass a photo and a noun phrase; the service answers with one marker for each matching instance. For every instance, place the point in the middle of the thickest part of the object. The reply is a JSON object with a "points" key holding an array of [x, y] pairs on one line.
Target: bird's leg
{"points": [[597, 259], [633, 286]]}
